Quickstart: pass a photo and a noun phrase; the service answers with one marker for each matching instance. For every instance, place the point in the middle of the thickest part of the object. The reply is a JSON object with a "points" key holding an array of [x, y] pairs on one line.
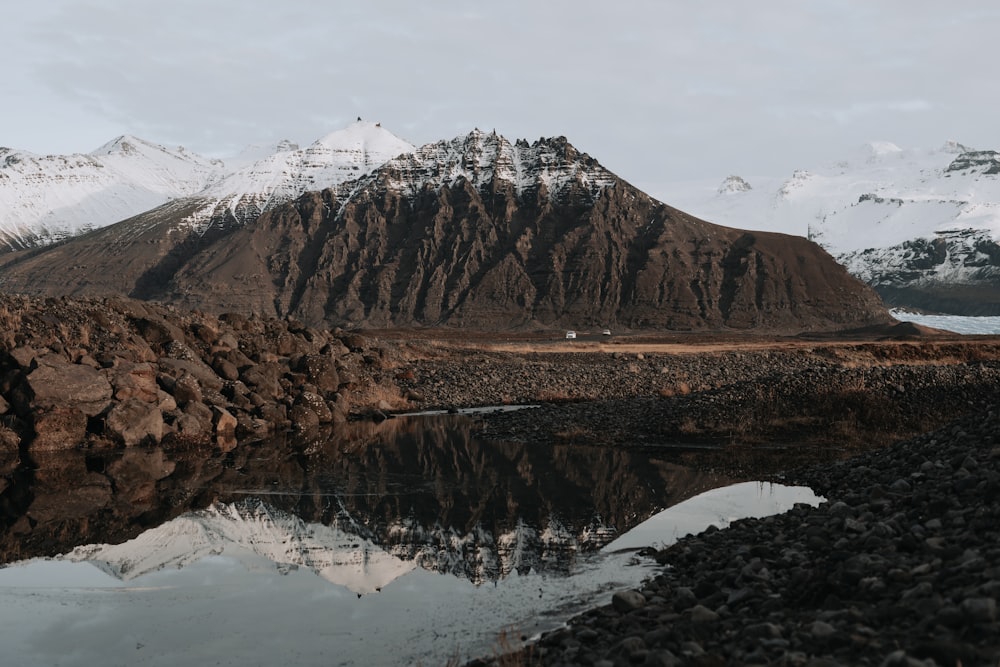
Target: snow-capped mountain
{"points": [[921, 226], [47, 198], [341, 552], [281, 176], [484, 158]]}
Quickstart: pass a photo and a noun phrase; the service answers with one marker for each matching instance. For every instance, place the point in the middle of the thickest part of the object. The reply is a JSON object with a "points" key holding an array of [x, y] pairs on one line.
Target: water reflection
{"points": [[317, 547]]}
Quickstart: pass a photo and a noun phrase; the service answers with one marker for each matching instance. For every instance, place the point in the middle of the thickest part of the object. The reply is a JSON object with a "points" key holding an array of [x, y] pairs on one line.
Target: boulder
{"points": [[177, 367], [187, 390], [135, 422], [58, 429], [157, 331], [56, 383], [315, 403], [303, 418], [224, 426], [133, 380], [320, 371]]}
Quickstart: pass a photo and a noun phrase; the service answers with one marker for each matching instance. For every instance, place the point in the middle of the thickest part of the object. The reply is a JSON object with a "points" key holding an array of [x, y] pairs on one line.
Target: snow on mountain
{"points": [[481, 158], [237, 530], [338, 157], [892, 216], [878, 197], [341, 553], [46, 198]]}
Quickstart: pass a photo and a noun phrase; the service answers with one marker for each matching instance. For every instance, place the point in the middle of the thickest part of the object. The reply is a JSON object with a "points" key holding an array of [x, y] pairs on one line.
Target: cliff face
{"points": [[479, 232]]}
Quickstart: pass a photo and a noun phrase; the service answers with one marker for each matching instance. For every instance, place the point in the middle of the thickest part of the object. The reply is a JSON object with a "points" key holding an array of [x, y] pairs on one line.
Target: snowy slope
{"points": [[239, 530], [892, 216], [46, 198], [254, 532], [285, 174], [484, 158]]}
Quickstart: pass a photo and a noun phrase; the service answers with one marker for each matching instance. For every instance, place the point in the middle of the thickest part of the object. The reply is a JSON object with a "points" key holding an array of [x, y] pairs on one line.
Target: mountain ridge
{"points": [[920, 226], [475, 231]]}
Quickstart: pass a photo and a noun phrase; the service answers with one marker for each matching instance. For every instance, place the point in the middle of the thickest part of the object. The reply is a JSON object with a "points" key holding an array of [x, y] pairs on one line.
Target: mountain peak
{"points": [[482, 158], [366, 137], [125, 144], [878, 149], [733, 184], [955, 148]]}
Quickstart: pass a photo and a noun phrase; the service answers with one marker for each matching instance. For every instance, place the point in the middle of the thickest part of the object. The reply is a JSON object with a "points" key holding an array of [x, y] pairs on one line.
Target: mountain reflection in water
{"points": [[249, 543], [421, 488]]}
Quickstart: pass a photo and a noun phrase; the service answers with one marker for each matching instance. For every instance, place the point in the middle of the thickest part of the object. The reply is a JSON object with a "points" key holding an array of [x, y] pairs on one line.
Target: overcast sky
{"points": [[657, 90]]}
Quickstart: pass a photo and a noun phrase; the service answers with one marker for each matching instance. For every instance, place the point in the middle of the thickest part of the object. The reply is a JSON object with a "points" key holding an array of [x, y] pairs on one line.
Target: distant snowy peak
{"points": [[342, 553], [880, 149], [241, 530], [281, 176], [733, 185], [46, 198], [954, 147], [482, 158]]}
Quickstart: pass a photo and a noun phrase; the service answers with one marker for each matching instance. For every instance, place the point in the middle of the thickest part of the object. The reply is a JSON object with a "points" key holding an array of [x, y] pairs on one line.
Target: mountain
{"points": [[48, 198], [475, 231], [286, 173], [339, 552], [51, 198], [920, 226]]}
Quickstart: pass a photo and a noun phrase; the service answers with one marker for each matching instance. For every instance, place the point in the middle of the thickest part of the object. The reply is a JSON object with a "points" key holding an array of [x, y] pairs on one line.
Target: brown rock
{"points": [[224, 425], [24, 357], [56, 383], [134, 380], [315, 403], [187, 390], [135, 422], [303, 418], [57, 429]]}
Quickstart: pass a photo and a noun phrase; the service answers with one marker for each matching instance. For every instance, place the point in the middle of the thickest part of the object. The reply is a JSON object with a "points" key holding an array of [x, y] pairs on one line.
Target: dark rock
{"points": [[625, 601]]}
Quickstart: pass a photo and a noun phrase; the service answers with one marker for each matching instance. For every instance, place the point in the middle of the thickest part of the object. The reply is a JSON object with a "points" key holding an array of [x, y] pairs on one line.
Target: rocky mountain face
{"points": [[921, 227], [477, 231]]}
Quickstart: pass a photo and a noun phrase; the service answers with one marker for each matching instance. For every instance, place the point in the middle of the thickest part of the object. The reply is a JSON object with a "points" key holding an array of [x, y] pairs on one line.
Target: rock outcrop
{"points": [[103, 373]]}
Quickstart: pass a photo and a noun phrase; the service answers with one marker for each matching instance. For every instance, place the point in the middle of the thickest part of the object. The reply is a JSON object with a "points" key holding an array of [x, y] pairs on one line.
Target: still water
{"points": [[406, 542]]}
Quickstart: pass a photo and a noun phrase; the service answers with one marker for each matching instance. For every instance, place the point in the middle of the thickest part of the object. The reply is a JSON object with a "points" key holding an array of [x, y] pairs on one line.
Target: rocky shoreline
{"points": [[901, 566], [115, 372]]}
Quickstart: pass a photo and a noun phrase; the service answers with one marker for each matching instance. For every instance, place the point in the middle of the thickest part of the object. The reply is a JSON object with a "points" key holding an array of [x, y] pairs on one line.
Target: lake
{"points": [[405, 542]]}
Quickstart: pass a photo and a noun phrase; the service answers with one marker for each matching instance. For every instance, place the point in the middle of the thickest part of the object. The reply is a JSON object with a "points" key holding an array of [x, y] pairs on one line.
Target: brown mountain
{"points": [[475, 232]]}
